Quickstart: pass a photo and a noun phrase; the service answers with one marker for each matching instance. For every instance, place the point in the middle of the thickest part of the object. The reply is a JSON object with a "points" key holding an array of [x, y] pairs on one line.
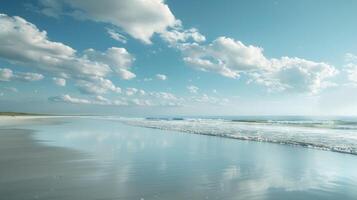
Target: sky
{"points": [[156, 57]]}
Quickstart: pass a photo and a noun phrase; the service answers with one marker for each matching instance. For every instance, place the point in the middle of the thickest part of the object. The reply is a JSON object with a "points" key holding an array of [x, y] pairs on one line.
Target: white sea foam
{"points": [[332, 135]]}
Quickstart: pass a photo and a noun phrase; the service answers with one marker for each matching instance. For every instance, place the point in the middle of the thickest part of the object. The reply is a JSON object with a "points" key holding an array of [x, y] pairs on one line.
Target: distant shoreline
{"points": [[22, 114], [14, 114]]}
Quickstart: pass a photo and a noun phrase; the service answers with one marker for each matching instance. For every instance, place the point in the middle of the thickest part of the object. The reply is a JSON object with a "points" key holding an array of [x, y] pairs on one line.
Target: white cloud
{"points": [[100, 100], [224, 56], [7, 75], [139, 18], [50, 8], [59, 81], [192, 89], [97, 85], [232, 58], [11, 89], [161, 77], [164, 95], [23, 44], [126, 74], [206, 99], [350, 58], [177, 35], [142, 92], [28, 76], [68, 99], [141, 102], [350, 68], [118, 59], [116, 36], [295, 74], [138, 97], [131, 91], [147, 79]]}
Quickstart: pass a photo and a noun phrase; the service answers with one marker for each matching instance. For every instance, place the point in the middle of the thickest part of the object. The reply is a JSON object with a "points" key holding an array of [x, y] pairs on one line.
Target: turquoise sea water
{"points": [[143, 163]]}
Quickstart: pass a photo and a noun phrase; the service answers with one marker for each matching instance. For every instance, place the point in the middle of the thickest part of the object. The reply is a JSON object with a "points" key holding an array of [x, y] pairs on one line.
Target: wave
{"points": [[333, 135], [349, 123]]}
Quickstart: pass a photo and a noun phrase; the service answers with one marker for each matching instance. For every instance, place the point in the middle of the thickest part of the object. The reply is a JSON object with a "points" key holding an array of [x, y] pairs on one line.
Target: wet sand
{"points": [[30, 170]]}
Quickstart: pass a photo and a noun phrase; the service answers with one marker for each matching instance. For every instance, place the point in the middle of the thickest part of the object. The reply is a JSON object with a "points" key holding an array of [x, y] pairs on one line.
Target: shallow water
{"points": [[142, 163]]}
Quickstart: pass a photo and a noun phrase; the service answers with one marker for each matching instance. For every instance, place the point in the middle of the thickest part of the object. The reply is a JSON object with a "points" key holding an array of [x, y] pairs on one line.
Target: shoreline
{"points": [[8, 121]]}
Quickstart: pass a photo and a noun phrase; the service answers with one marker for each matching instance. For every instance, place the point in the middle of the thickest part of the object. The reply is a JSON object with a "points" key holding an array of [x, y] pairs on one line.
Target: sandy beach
{"points": [[30, 170], [87, 158]]}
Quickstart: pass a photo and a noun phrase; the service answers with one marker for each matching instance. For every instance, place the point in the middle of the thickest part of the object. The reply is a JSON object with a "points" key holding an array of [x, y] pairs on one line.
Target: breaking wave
{"points": [[334, 135]]}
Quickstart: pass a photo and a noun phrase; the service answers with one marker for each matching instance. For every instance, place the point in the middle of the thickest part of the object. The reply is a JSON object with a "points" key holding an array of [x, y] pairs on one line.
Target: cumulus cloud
{"points": [[97, 85], [192, 89], [59, 81], [126, 74], [28, 76], [295, 74], [177, 35], [131, 91], [139, 18], [206, 99], [116, 36], [231, 58], [68, 99], [22, 43], [161, 77], [350, 58], [164, 95], [224, 56], [352, 73], [139, 97], [141, 102], [119, 60], [351, 68], [7, 75], [147, 79], [100, 100]]}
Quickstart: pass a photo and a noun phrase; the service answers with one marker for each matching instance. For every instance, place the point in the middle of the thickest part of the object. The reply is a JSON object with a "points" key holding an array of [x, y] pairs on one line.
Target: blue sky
{"points": [[154, 57]]}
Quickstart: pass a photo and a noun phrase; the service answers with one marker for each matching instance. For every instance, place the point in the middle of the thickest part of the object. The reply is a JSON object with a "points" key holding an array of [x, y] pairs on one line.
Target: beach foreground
{"points": [[93, 158]]}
